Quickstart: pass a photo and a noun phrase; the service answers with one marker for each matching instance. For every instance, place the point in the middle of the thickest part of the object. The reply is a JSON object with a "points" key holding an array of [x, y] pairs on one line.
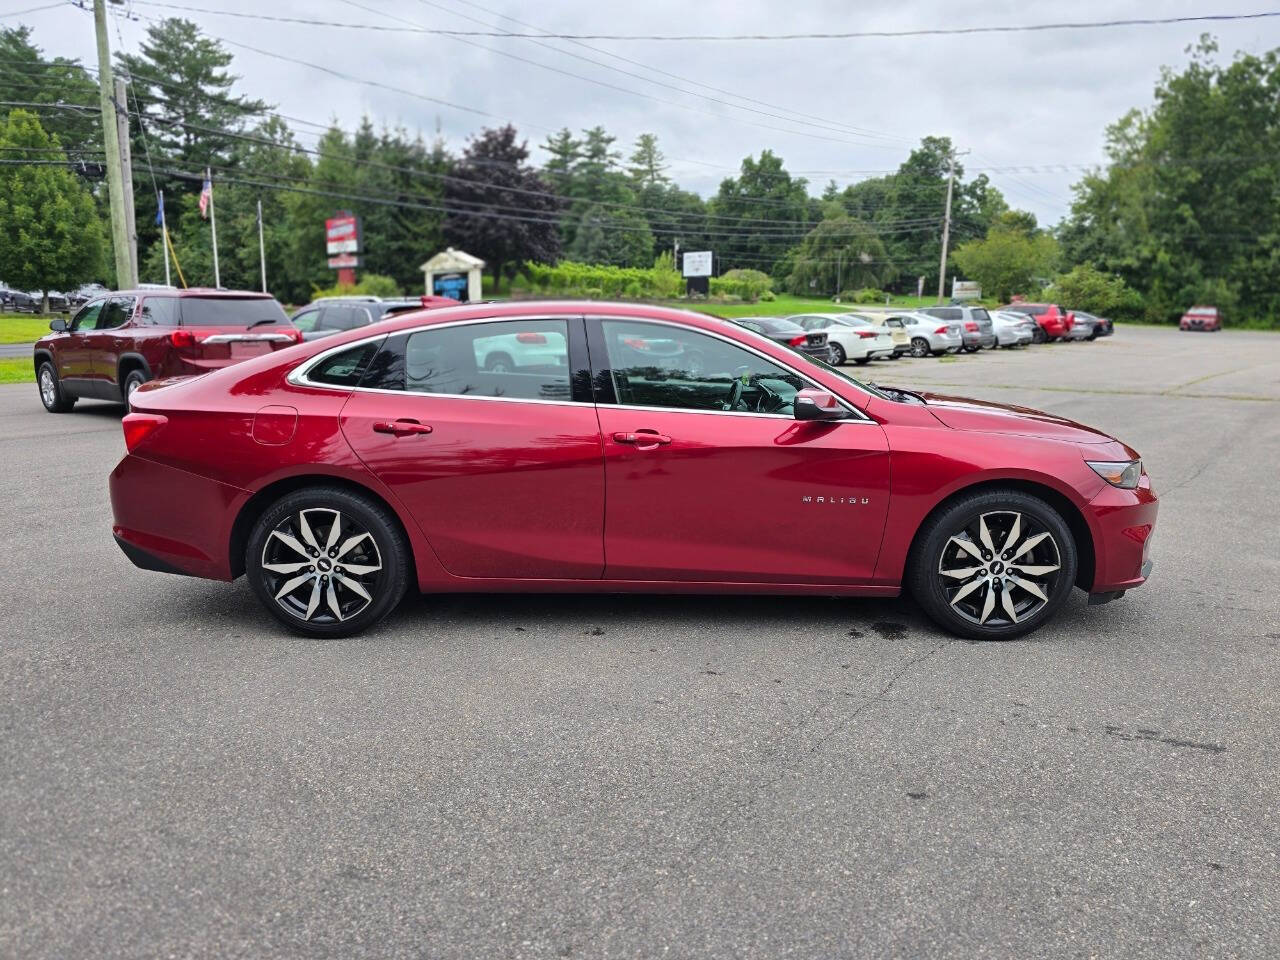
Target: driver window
{"points": [[87, 318], [306, 320], [659, 366]]}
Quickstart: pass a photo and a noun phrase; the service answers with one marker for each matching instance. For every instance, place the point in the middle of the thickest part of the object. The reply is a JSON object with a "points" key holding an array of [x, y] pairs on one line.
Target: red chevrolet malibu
{"points": [[608, 447]]}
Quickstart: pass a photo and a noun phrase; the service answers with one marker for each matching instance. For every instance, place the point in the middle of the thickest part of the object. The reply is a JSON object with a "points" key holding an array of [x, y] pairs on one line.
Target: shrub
{"points": [[744, 284], [370, 285], [862, 295], [1089, 289], [569, 278]]}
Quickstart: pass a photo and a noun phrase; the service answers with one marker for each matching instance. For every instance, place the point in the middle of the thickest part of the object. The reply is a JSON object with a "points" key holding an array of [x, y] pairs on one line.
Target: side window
{"points": [[346, 318], [659, 366], [87, 318], [893, 322], [160, 311], [115, 313], [513, 359], [812, 323], [306, 320], [346, 368]]}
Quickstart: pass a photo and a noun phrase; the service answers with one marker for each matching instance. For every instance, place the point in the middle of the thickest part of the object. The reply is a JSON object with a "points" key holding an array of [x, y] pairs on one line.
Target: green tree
{"points": [[1008, 261], [53, 237], [26, 76], [767, 209], [1085, 287], [1185, 210], [647, 166], [840, 253]]}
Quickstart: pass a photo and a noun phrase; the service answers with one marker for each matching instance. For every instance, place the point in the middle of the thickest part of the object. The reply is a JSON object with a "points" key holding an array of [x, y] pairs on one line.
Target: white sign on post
{"points": [[965, 290], [697, 264]]}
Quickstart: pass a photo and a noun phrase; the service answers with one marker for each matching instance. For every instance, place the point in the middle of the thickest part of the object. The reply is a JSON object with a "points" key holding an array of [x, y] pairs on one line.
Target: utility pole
{"points": [[111, 142], [126, 176], [262, 248], [946, 226]]}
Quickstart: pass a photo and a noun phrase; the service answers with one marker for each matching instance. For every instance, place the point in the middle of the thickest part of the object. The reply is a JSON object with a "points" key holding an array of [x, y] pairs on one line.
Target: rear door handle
{"points": [[404, 427], [643, 438]]}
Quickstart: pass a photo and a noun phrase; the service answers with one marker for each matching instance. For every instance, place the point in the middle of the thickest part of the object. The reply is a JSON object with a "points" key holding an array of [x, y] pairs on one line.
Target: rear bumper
{"points": [[169, 520]]}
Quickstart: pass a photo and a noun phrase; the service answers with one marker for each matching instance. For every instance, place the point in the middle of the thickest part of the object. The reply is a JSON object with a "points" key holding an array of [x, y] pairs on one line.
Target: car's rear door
{"points": [[708, 476], [503, 470]]}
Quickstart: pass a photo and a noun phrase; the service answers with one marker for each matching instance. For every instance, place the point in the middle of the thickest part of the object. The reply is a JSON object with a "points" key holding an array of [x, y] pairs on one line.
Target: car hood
{"points": [[984, 416]]}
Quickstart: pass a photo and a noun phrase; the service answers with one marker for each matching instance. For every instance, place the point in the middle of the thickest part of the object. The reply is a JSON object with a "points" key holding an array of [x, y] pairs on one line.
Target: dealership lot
{"points": [[579, 776]]}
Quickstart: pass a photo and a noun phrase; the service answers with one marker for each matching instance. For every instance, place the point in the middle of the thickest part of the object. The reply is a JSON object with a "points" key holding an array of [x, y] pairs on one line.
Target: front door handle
{"points": [[404, 427], [643, 438]]}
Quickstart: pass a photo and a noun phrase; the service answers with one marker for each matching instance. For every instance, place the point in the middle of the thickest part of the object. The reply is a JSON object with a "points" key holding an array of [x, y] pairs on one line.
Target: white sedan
{"points": [[1012, 329], [850, 337]]}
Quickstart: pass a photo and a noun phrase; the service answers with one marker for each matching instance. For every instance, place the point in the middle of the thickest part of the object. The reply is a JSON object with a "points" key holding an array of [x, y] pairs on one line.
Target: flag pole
{"points": [[213, 227], [262, 249], [164, 230]]}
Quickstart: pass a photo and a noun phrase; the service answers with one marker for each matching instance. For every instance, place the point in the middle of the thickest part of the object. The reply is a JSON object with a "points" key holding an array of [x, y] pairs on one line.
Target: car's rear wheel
{"points": [[499, 363], [837, 355], [994, 565], [1038, 335], [328, 562], [51, 393], [132, 381], [920, 347]]}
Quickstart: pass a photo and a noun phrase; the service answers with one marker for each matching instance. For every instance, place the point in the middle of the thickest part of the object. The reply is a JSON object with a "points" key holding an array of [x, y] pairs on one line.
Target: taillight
{"points": [[294, 334], [530, 338], [184, 338], [868, 334], [943, 329], [139, 426], [797, 341], [971, 326]]}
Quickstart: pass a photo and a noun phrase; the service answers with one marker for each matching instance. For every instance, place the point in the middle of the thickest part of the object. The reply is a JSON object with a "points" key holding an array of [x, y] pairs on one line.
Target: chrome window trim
{"points": [[242, 337], [858, 415], [298, 375]]}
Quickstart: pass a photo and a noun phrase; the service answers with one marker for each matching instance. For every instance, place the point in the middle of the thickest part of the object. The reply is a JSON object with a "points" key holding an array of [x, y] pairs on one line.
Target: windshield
{"points": [[860, 384]]}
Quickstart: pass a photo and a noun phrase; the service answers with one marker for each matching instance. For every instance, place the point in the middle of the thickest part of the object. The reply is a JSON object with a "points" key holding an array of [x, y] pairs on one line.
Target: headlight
{"points": [[1121, 473]]}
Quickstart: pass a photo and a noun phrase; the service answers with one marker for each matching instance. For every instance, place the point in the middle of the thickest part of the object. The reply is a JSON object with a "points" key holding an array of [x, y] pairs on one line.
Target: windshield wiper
{"points": [[258, 323], [900, 395]]}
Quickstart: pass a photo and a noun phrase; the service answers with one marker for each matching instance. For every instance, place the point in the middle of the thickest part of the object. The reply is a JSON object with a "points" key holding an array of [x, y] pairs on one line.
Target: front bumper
{"points": [[1123, 524]]}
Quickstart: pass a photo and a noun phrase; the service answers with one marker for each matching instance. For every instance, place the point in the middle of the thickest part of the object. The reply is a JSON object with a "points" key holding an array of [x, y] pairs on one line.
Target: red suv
{"points": [[1054, 321], [119, 341]]}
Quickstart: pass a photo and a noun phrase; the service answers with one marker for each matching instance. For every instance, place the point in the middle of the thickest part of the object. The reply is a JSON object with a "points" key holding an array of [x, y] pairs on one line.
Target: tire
{"points": [[837, 355], [920, 347], [499, 363], [382, 558], [971, 349], [1038, 335], [52, 395], [973, 605], [862, 361], [132, 382]]}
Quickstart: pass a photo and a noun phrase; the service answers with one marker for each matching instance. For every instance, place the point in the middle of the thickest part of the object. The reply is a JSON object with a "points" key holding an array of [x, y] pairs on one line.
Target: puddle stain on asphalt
{"points": [[888, 630], [1153, 736], [917, 794]]}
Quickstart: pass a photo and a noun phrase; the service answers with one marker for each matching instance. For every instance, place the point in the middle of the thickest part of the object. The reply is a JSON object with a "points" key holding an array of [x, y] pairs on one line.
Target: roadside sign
{"points": [[344, 261], [697, 264], [342, 234], [966, 290]]}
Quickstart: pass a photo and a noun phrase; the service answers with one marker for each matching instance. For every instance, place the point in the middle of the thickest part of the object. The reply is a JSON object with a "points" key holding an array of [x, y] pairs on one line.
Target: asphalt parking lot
{"points": [[609, 777]]}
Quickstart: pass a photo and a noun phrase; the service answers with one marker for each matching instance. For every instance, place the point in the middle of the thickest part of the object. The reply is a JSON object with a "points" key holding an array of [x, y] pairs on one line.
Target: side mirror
{"points": [[818, 405], [58, 326]]}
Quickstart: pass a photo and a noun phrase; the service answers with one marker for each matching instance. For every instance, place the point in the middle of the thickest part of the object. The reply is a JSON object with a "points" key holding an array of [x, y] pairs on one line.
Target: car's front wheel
{"points": [[51, 393], [920, 347], [328, 562], [993, 565]]}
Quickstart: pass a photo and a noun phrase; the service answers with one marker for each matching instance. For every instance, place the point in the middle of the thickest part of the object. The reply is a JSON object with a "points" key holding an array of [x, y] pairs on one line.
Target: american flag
{"points": [[206, 197]]}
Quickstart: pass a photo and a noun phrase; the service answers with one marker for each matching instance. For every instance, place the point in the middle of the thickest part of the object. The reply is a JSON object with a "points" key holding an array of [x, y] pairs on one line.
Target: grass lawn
{"points": [[17, 370], [23, 327]]}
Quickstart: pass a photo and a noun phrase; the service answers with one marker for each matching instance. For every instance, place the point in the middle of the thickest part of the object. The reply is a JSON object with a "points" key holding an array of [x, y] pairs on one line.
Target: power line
{"points": [[773, 37]]}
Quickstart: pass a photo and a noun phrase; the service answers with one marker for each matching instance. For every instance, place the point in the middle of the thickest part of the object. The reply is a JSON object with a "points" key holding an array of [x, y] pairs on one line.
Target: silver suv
{"points": [[976, 329]]}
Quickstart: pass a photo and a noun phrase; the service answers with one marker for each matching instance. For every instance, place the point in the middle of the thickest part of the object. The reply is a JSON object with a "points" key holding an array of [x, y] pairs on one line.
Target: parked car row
{"points": [[31, 301]]}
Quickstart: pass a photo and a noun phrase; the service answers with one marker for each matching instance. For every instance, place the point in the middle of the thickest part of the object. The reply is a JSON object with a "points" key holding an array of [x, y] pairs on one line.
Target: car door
{"points": [[109, 340], [502, 469], [73, 356], [708, 476]]}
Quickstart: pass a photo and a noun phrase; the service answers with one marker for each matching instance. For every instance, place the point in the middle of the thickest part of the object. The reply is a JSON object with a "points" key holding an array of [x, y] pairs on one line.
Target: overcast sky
{"points": [[1026, 100]]}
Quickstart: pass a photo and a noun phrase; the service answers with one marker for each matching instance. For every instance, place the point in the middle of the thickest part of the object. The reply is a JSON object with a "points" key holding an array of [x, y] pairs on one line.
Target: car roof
{"points": [[197, 292]]}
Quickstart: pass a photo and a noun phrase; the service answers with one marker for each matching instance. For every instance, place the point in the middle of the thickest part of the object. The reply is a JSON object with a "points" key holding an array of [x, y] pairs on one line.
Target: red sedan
{"points": [[618, 448]]}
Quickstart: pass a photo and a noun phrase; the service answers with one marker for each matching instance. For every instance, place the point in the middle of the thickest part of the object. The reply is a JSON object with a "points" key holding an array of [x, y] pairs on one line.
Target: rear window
{"points": [[778, 326], [230, 312], [346, 368], [980, 314]]}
